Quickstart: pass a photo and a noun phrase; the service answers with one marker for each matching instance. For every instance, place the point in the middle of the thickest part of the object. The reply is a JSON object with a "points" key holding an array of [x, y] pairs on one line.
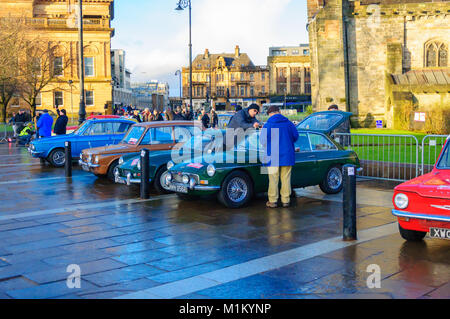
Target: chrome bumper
{"points": [[90, 165], [399, 213], [128, 180], [197, 187], [34, 153]]}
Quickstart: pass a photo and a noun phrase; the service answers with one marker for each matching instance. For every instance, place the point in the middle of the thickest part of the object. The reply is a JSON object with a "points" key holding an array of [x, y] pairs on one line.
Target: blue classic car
{"points": [[92, 133]]}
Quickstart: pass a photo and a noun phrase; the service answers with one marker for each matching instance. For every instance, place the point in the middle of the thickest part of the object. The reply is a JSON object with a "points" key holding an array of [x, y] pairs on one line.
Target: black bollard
{"points": [[145, 174], [68, 160], [349, 203]]}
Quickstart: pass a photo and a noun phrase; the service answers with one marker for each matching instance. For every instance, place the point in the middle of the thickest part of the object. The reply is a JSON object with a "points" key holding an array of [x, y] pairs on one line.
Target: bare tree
{"points": [[42, 69], [12, 42]]}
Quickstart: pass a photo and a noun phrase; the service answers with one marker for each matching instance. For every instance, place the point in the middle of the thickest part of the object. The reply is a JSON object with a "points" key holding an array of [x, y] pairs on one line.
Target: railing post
{"points": [[145, 174], [68, 159], [349, 203]]}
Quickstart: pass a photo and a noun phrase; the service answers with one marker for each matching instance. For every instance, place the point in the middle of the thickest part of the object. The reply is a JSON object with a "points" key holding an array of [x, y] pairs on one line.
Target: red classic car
{"points": [[422, 204]]}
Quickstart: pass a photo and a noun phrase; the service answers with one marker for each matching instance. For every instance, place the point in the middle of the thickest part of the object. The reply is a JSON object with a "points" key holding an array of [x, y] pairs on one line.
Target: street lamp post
{"points": [[181, 85], [70, 82], [82, 109], [183, 4]]}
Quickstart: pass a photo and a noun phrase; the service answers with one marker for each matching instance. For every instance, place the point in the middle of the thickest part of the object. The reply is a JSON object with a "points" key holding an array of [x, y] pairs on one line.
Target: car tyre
{"points": [[411, 235], [236, 190], [157, 183], [111, 170], [57, 157], [333, 181]]}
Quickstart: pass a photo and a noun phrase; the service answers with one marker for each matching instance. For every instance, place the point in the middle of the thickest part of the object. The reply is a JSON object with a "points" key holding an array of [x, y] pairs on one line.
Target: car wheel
{"points": [[333, 181], [57, 157], [411, 235], [236, 190], [112, 169], [160, 181]]}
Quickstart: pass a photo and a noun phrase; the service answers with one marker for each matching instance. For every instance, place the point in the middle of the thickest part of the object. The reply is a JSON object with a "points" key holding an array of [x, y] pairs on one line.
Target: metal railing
{"points": [[431, 149], [384, 157], [393, 157]]}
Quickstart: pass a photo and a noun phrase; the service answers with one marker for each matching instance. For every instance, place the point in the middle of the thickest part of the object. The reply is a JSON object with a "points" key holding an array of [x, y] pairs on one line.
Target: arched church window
{"points": [[436, 54]]}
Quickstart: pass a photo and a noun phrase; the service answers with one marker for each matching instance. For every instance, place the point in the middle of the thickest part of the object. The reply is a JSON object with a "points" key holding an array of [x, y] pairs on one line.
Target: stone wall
{"points": [[383, 37]]}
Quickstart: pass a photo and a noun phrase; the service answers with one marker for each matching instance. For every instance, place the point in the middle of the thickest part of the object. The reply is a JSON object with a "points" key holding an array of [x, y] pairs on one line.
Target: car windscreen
{"points": [[81, 128], [320, 122], [444, 162], [133, 136], [250, 142]]}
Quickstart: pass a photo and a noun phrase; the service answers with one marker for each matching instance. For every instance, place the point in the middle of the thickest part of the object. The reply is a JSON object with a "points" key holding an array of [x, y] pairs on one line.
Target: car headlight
{"points": [[139, 166], [211, 170], [170, 164], [185, 179], [96, 159], [121, 161], [168, 178], [401, 201], [33, 147]]}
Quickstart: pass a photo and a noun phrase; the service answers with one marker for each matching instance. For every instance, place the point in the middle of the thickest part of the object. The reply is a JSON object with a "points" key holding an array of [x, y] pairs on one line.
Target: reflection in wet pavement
{"points": [[124, 245]]}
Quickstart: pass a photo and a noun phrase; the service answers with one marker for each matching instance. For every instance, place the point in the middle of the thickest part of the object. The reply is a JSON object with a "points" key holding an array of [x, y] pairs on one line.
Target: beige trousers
{"points": [[275, 174]]}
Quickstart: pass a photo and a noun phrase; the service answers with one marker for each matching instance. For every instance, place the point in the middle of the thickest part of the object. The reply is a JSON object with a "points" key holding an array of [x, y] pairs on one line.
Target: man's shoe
{"points": [[271, 205], [286, 205]]}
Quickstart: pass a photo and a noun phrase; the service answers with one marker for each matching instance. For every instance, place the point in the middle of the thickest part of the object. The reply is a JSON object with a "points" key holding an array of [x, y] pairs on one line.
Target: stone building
{"points": [[382, 60], [225, 80], [56, 21], [289, 70], [121, 78]]}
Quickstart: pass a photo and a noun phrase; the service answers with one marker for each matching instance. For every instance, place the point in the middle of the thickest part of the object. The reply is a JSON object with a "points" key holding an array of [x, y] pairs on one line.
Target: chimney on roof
{"points": [[206, 54], [237, 51]]}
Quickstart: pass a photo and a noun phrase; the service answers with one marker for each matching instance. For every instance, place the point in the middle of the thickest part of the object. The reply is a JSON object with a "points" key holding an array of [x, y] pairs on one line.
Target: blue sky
{"points": [[156, 37]]}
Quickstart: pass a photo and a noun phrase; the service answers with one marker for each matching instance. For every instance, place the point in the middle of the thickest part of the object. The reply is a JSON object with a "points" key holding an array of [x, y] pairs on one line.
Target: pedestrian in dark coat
{"points": [[205, 119], [214, 119], [245, 118], [177, 116], [61, 122]]}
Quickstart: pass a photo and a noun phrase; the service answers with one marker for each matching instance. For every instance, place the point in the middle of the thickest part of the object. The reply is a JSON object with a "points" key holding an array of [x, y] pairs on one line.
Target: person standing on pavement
{"points": [[177, 116], [12, 122], [205, 119], [245, 118], [279, 162], [214, 119], [44, 125], [61, 122]]}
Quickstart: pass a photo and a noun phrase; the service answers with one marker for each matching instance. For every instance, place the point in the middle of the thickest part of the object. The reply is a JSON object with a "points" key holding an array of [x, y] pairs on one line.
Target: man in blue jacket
{"points": [[280, 132], [45, 124]]}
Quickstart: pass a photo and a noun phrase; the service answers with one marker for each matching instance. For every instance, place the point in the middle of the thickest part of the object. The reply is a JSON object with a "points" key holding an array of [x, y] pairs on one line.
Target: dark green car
{"points": [[318, 161], [129, 170]]}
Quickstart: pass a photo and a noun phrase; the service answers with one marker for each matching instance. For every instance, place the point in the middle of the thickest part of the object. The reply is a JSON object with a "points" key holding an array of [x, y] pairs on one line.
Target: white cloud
{"points": [[218, 25]]}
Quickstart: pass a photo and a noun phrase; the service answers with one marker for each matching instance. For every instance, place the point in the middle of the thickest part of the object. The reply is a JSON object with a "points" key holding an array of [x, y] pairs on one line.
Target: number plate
{"points": [[441, 233], [178, 189]]}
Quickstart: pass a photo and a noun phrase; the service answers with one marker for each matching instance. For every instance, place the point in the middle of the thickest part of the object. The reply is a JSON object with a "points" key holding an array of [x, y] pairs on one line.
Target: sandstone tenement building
{"points": [[225, 79], [56, 20], [382, 60]]}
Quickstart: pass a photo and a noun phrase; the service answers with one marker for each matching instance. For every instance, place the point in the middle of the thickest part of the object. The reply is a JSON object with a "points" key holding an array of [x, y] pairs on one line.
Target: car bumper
{"points": [[438, 218], [128, 180], [87, 166], [196, 187], [36, 154]]}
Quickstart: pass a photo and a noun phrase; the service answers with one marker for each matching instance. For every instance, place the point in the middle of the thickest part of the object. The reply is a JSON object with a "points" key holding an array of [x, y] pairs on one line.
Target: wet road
{"points": [[167, 248]]}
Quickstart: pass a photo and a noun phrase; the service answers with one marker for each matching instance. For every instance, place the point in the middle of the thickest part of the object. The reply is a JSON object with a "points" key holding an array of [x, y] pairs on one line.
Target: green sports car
{"points": [[129, 170], [318, 161]]}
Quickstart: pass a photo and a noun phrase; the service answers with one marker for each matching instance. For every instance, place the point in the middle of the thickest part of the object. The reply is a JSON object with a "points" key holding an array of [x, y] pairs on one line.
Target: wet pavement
{"points": [[167, 248]]}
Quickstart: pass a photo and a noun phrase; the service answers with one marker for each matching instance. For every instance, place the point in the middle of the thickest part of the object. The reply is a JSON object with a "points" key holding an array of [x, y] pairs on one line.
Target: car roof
{"points": [[169, 123], [111, 120]]}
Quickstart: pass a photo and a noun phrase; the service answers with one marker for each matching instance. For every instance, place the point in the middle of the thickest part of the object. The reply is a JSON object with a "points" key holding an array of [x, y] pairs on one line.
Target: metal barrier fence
{"points": [[385, 157], [3, 133], [393, 157], [431, 148]]}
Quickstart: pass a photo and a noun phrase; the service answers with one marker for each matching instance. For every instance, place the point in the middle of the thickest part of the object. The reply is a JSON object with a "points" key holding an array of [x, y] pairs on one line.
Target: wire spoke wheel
{"points": [[334, 178], [237, 189]]}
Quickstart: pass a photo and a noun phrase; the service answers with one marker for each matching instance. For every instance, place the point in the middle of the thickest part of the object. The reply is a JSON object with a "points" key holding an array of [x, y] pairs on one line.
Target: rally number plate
{"points": [[178, 189], [441, 233]]}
